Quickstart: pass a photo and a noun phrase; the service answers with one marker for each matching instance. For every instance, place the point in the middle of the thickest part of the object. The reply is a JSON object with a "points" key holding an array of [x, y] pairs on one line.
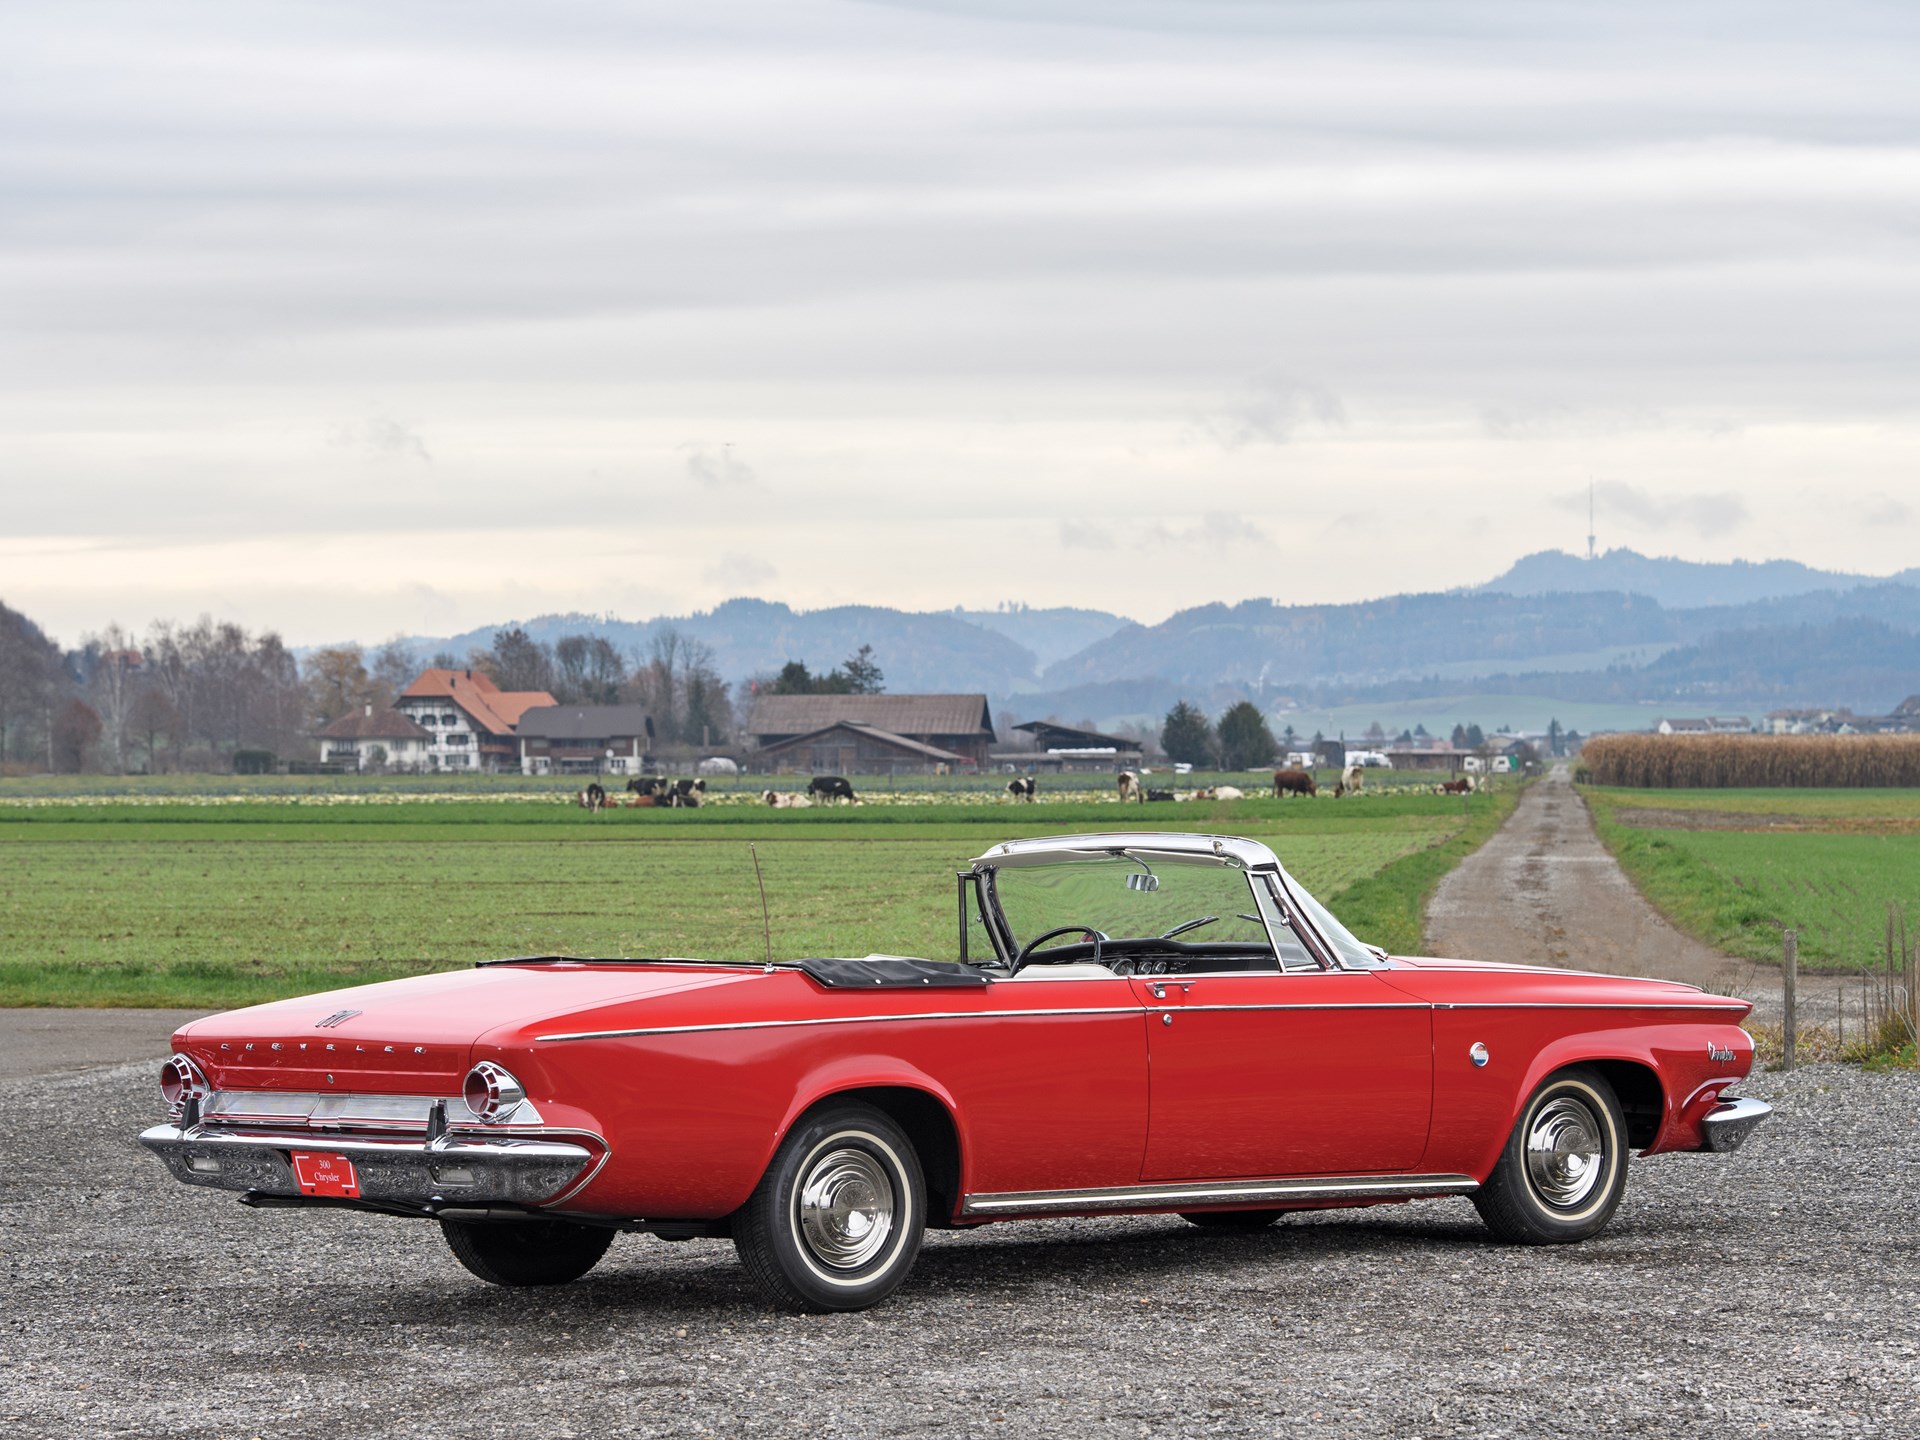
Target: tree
{"points": [[337, 682], [392, 669], [1376, 735], [1553, 736], [863, 673], [794, 679], [109, 667], [587, 670], [151, 717], [520, 662], [1245, 741], [1405, 737], [76, 736], [1459, 737], [1187, 735], [30, 678], [1474, 738], [1420, 734], [1290, 735]]}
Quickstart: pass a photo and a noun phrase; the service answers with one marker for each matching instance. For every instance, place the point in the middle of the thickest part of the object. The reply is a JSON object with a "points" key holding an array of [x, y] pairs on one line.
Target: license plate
{"points": [[322, 1174]]}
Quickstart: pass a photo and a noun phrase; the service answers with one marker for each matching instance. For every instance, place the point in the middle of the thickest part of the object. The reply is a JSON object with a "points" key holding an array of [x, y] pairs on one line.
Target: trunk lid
{"points": [[415, 1036]]}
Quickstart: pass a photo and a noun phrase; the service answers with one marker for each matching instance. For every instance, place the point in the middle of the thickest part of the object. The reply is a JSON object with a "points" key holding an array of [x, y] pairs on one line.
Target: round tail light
{"points": [[180, 1079], [492, 1093]]}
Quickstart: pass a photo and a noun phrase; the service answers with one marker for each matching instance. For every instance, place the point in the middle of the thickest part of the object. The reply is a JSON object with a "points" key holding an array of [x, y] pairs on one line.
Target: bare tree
{"points": [[151, 717], [394, 667], [337, 682], [588, 670], [109, 667], [30, 677]]}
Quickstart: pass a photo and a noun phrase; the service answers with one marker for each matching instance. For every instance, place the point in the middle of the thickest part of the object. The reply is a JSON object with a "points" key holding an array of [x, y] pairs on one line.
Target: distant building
{"points": [[1704, 725], [960, 727], [367, 738], [468, 719], [845, 748], [584, 739], [1062, 747]]}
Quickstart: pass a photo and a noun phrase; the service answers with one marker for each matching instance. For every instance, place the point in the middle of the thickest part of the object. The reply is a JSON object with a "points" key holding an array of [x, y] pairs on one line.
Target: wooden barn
{"points": [[869, 734]]}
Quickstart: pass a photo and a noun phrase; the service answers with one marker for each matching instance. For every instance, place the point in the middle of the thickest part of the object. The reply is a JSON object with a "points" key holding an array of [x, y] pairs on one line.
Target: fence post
{"points": [[1790, 966]]}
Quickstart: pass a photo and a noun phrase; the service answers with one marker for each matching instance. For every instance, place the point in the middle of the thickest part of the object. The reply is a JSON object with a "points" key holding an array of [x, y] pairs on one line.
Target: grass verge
{"points": [[1388, 908]]}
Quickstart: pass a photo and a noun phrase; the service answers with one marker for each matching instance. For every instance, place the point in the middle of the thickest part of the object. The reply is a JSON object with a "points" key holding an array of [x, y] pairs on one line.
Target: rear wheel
{"points": [[1231, 1220], [527, 1252], [1564, 1167], [835, 1223]]}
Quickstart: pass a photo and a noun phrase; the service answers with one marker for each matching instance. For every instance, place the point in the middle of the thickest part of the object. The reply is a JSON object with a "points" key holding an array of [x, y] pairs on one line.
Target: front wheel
{"points": [[1564, 1167], [835, 1223], [527, 1252]]}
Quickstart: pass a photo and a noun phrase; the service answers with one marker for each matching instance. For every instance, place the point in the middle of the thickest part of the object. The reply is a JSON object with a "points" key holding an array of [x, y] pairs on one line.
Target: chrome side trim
{"points": [[1110, 1010], [846, 1020], [1729, 1123], [1219, 1192], [1583, 1005]]}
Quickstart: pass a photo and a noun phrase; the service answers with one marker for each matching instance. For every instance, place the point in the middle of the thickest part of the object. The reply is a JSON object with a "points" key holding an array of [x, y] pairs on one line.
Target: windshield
{"points": [[1352, 952], [1127, 898]]}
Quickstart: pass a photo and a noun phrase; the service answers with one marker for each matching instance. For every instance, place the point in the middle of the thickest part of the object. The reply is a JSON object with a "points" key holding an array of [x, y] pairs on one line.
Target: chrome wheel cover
{"points": [[1566, 1158], [844, 1208]]}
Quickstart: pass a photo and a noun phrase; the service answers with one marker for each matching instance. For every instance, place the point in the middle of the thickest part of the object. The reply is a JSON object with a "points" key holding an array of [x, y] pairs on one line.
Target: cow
{"points": [[686, 788], [1158, 795], [785, 800], [647, 784], [593, 798], [832, 787], [1355, 779], [1455, 787], [643, 802], [1021, 787], [1293, 782], [1226, 792], [1130, 788]]}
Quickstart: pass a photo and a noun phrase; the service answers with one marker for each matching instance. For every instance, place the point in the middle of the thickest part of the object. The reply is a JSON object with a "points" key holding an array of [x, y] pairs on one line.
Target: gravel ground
{"points": [[1777, 1289]]}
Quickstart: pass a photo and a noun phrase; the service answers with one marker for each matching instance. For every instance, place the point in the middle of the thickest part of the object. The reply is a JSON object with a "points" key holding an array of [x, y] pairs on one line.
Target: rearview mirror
{"points": [[1143, 882]]}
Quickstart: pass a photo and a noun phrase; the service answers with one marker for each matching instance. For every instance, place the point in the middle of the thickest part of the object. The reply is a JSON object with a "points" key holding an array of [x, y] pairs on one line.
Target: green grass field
{"points": [[1737, 867], [115, 903]]}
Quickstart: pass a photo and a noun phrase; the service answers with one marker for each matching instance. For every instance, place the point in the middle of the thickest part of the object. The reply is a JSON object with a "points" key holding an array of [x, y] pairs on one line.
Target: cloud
{"points": [[1708, 514], [1883, 509], [716, 466], [1217, 530], [1085, 535], [1269, 409], [740, 572], [381, 437]]}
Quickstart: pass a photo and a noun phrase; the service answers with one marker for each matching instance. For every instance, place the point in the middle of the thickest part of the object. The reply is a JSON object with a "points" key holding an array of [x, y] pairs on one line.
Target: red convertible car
{"points": [[1135, 1023]]}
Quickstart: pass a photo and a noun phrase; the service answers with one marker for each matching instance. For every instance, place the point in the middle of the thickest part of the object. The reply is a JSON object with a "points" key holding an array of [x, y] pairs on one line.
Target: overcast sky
{"points": [[349, 319]]}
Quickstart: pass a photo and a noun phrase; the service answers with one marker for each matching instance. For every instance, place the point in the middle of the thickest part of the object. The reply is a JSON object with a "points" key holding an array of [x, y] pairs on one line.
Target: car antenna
{"points": [[766, 921]]}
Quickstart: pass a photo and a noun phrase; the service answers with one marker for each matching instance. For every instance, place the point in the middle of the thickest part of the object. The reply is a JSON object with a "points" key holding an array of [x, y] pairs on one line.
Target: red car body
{"points": [[659, 1094]]}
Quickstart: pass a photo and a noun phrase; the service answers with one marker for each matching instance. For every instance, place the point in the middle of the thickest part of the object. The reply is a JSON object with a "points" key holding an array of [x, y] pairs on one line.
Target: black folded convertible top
{"points": [[891, 971]]}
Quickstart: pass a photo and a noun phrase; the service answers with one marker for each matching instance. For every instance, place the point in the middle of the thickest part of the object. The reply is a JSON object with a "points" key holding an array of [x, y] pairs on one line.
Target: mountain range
{"points": [[1621, 629]]}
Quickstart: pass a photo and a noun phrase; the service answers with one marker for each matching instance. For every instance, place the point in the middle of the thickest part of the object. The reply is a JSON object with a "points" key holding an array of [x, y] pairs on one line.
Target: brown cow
{"points": [[1456, 787], [1293, 782]]}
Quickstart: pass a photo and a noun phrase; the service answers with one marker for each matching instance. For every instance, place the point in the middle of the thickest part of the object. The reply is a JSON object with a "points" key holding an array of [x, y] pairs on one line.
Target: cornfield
{"points": [[1726, 762]]}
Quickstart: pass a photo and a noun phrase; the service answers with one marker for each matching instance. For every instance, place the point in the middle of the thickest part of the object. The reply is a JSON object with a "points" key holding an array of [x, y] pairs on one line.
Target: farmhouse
{"points": [[821, 733], [468, 719], [584, 739], [367, 738], [1061, 747]]}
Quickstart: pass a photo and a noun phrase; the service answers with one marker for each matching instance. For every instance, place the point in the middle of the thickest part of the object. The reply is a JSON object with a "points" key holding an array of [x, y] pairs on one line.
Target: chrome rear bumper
{"points": [[446, 1171], [1730, 1122]]}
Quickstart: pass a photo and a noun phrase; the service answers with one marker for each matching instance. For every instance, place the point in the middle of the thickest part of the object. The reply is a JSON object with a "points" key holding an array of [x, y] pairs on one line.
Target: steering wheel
{"points": [[1020, 960]]}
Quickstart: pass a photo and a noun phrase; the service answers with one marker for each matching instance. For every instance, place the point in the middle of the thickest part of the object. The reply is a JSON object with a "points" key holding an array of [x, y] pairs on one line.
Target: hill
{"points": [[1676, 584]]}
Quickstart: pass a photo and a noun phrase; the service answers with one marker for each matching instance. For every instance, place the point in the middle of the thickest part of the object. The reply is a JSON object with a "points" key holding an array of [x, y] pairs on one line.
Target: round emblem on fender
{"points": [[1477, 1053]]}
